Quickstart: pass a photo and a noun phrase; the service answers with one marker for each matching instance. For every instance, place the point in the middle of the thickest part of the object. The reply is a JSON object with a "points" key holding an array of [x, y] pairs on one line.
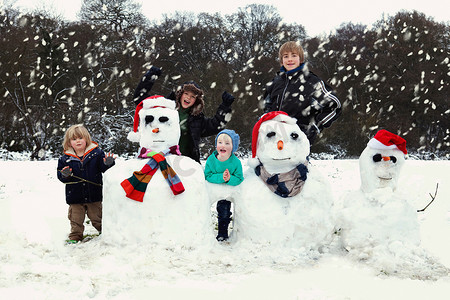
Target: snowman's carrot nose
{"points": [[156, 130], [386, 158], [280, 145]]}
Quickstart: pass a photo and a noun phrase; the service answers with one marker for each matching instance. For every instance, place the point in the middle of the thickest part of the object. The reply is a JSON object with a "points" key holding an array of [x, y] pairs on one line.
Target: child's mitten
{"points": [[66, 172], [109, 161]]}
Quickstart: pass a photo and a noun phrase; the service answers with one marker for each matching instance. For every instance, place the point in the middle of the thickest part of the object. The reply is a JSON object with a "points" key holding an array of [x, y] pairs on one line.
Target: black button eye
{"points": [[393, 159], [377, 157], [271, 134], [294, 135], [149, 119], [163, 119]]}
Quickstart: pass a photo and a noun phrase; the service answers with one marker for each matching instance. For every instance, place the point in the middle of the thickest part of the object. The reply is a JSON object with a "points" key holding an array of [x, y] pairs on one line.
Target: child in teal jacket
{"points": [[223, 167]]}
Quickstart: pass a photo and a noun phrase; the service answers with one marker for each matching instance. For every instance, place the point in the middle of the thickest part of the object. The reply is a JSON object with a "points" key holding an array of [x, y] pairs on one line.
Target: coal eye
{"points": [[294, 135], [271, 134], [163, 119], [149, 119], [377, 157], [393, 159]]}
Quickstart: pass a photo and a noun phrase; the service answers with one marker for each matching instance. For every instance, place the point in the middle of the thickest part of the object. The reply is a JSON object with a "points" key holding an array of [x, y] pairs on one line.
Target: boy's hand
{"points": [[109, 159], [312, 132], [171, 96], [227, 98], [66, 172], [226, 175]]}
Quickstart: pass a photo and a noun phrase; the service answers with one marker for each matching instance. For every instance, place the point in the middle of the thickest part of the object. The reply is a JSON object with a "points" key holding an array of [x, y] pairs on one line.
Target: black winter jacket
{"points": [[201, 126], [89, 168], [304, 96]]}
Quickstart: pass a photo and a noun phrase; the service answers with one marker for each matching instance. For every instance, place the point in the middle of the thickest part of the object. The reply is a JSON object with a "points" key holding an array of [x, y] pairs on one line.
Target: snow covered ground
{"points": [[35, 263]]}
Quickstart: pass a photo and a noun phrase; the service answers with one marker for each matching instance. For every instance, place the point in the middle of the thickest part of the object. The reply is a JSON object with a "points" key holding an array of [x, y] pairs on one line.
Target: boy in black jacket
{"points": [[301, 94], [193, 123]]}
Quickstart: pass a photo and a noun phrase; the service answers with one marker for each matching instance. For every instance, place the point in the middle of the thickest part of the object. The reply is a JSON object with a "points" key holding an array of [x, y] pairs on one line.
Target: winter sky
{"points": [[317, 16]]}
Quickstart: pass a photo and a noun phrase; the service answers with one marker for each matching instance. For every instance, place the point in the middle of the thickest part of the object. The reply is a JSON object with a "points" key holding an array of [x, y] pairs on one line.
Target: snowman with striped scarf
{"points": [[285, 202], [158, 197]]}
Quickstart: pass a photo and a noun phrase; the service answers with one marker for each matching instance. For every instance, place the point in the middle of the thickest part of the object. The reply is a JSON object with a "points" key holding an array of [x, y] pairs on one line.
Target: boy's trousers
{"points": [[76, 216]]}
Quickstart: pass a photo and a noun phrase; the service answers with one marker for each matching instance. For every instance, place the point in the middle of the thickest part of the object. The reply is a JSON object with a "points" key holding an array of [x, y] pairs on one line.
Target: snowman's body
{"points": [[161, 217], [304, 220], [377, 219]]}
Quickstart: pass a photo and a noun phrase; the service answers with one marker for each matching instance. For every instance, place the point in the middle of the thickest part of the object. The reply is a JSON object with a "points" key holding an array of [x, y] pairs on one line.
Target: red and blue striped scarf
{"points": [[136, 185]]}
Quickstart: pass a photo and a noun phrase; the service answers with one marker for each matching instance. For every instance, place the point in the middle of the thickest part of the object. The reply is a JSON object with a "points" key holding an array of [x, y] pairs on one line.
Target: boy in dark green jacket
{"points": [[223, 167]]}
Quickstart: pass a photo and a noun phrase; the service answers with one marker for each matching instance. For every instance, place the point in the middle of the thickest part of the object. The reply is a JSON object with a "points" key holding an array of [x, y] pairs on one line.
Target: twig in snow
{"points": [[432, 199]]}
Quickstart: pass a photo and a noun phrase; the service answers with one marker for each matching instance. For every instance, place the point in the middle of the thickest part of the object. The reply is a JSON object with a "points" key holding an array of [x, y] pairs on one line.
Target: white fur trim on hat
{"points": [[134, 136], [253, 162], [376, 144], [158, 102], [284, 119]]}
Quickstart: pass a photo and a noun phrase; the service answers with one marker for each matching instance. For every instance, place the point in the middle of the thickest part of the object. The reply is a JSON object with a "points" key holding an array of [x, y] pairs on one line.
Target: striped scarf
{"points": [[286, 184], [136, 185]]}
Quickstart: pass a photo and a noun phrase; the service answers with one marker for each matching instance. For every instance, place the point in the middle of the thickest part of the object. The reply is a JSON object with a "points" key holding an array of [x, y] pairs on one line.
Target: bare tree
{"points": [[118, 15]]}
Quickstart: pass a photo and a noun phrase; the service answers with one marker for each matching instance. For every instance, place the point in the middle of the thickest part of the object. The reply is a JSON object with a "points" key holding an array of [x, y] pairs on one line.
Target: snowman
{"points": [[160, 197], [378, 224], [284, 200]]}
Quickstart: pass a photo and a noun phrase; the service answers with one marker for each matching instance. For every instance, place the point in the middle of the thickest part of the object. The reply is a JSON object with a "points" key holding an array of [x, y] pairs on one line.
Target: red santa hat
{"points": [[279, 116], [384, 140], [148, 103]]}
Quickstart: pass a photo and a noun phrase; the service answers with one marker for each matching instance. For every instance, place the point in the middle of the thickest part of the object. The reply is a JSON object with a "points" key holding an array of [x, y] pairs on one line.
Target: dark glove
{"points": [[227, 98], [109, 161], [154, 71], [67, 172], [145, 85]]}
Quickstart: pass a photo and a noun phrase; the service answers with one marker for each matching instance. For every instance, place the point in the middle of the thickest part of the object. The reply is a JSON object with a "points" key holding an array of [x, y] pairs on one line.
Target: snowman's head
{"points": [[278, 143], [156, 124], [381, 161]]}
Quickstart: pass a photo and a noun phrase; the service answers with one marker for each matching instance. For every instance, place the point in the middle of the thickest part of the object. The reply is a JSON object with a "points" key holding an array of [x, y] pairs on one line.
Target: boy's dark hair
{"points": [[194, 88]]}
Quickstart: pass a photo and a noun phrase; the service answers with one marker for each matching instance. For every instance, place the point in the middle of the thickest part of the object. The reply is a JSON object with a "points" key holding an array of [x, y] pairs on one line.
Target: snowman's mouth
{"points": [[385, 178], [281, 158], [159, 141]]}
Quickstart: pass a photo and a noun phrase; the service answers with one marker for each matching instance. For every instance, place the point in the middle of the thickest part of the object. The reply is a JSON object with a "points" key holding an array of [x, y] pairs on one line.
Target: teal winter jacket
{"points": [[214, 169]]}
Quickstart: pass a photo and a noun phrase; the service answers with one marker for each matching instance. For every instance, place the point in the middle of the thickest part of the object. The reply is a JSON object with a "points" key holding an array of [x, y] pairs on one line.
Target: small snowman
{"points": [[376, 213], [284, 200], [161, 196], [378, 224]]}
